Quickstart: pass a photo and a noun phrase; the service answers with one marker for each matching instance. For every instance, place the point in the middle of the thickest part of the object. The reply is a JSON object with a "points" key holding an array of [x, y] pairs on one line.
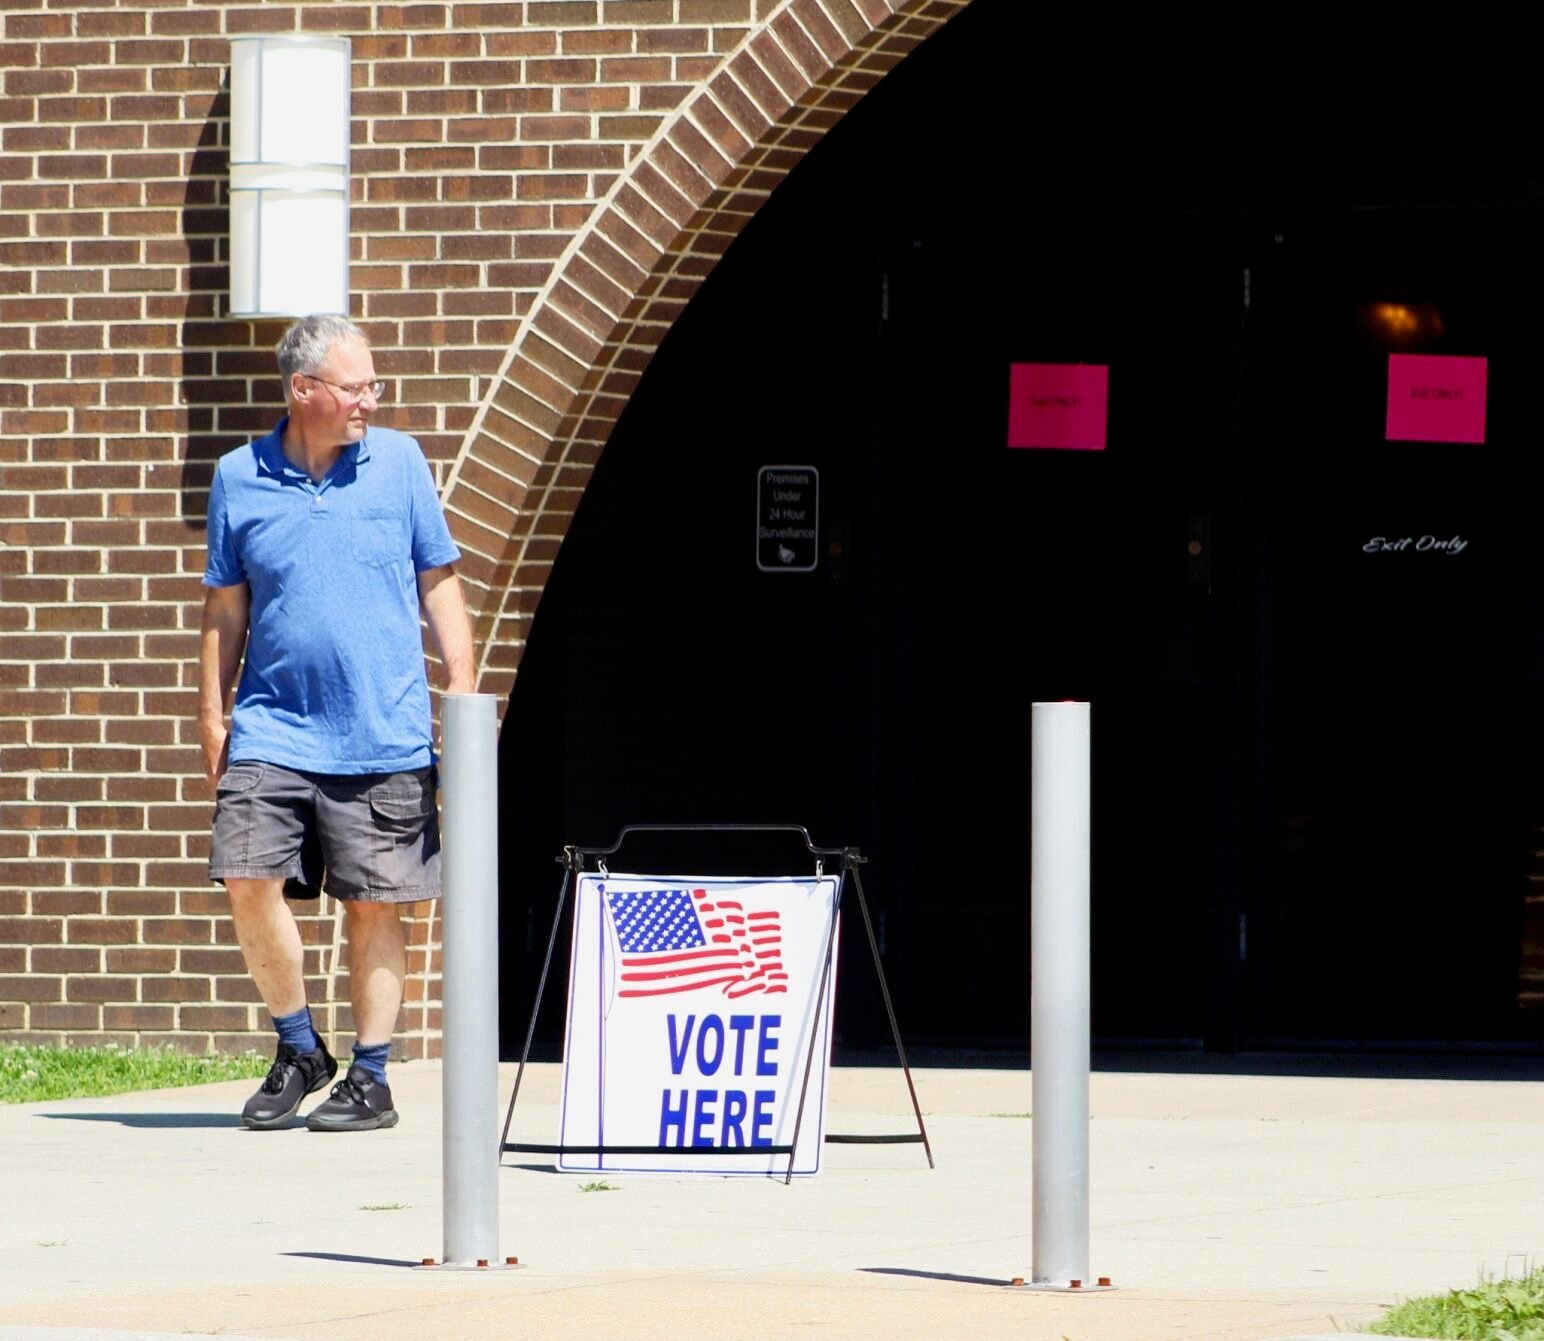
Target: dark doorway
{"points": [[1400, 616], [1314, 808]]}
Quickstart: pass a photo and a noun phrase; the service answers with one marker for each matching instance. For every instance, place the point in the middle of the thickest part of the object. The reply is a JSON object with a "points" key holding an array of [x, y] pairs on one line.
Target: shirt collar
{"points": [[272, 461]]}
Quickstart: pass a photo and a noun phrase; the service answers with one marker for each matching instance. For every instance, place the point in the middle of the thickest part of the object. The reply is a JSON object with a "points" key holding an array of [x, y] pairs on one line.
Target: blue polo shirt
{"points": [[334, 679]]}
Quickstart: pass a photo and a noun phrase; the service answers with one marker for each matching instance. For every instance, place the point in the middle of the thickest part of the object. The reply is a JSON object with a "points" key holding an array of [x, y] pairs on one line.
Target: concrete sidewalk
{"points": [[1223, 1207]]}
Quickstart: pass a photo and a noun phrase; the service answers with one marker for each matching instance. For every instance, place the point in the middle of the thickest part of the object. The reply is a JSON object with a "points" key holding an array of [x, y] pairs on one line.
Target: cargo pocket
{"points": [[239, 778], [402, 811], [236, 810]]}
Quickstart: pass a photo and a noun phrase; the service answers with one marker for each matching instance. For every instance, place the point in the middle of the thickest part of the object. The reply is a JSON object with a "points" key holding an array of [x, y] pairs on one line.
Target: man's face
{"points": [[326, 409]]}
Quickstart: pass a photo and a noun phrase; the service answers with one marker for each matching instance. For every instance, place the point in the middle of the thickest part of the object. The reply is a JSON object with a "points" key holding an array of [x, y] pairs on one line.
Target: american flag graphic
{"points": [[679, 940]]}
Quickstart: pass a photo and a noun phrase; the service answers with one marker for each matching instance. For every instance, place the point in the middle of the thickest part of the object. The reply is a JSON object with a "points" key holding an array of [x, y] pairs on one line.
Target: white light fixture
{"points": [[289, 175]]}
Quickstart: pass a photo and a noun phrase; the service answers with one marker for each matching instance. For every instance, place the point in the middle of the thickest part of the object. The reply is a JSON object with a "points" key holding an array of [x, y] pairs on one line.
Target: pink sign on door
{"points": [[1058, 405], [1436, 398]]}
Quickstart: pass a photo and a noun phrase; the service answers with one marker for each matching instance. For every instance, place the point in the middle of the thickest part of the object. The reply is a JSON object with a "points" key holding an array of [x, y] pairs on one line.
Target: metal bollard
{"points": [[1059, 993], [469, 923]]}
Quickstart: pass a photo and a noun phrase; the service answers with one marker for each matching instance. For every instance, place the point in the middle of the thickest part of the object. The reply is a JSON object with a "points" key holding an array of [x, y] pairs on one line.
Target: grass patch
{"points": [[386, 1206], [602, 1186], [1500, 1310], [32, 1074]]}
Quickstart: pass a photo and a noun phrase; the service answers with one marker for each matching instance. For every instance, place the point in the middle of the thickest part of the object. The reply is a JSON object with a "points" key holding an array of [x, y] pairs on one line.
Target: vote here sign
{"points": [[692, 1005]]}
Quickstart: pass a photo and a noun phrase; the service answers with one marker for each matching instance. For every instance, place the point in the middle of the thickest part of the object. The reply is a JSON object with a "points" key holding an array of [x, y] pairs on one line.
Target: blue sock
{"points": [[297, 1031], [373, 1060]]}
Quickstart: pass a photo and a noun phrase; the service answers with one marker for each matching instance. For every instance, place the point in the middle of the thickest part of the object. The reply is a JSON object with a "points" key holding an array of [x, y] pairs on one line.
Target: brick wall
{"points": [[538, 189]]}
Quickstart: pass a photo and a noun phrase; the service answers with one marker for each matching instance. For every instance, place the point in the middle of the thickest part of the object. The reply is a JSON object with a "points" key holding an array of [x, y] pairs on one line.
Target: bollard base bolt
{"points": [[1072, 1286], [485, 1266]]}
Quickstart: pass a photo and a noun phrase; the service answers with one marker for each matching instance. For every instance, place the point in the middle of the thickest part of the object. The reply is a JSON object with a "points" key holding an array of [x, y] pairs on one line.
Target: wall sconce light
{"points": [[289, 175]]}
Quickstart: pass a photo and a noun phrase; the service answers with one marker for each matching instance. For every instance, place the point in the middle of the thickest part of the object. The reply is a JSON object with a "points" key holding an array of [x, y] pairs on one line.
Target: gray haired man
{"points": [[327, 543]]}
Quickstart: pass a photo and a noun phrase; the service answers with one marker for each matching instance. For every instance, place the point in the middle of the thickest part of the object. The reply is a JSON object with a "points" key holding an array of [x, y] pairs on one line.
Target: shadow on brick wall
{"points": [[228, 385]]}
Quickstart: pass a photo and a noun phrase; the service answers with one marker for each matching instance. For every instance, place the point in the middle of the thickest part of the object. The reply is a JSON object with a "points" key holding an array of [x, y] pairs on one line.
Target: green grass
{"points": [[601, 1186], [30, 1074], [1501, 1310]]}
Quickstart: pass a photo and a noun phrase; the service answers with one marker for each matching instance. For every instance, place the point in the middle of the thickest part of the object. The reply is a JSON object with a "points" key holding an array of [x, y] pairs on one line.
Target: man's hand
{"points": [[215, 740]]}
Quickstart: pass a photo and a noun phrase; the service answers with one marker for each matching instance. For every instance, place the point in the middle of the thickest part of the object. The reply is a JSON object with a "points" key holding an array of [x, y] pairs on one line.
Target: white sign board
{"points": [[692, 1005]]}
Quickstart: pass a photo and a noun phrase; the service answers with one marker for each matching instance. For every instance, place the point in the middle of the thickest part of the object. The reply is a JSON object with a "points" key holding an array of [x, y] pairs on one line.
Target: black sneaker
{"points": [[293, 1076], [358, 1102]]}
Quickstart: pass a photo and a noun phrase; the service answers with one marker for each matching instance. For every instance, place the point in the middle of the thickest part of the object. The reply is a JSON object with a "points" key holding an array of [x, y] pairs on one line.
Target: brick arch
{"points": [[582, 348]]}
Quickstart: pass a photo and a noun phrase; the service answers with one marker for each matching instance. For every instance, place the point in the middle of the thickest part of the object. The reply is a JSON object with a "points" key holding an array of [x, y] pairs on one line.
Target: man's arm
{"points": [[223, 637], [439, 595]]}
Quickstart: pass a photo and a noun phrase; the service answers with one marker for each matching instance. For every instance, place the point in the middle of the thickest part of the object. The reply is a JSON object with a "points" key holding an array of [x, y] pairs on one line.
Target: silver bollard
{"points": [[469, 923], [1059, 1010]]}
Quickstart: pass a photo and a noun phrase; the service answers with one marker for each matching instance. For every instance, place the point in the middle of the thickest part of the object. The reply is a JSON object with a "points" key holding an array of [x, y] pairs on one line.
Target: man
{"points": [[326, 541]]}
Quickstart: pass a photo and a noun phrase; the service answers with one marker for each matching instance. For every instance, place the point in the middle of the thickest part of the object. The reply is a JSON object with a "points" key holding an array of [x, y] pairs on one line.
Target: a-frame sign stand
{"points": [[574, 861]]}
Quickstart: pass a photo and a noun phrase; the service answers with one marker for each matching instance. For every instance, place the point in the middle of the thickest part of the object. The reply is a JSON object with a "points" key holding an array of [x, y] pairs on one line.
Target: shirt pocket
{"points": [[379, 536]]}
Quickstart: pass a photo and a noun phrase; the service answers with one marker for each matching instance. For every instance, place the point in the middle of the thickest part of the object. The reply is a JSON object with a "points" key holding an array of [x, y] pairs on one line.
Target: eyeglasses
{"points": [[354, 390]]}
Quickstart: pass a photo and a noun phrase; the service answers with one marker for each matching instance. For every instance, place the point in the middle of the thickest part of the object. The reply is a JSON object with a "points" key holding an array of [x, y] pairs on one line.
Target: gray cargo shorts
{"points": [[377, 835]]}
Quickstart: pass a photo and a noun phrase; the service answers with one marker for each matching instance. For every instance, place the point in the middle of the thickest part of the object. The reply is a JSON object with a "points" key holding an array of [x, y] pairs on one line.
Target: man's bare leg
{"points": [[377, 967], [270, 943]]}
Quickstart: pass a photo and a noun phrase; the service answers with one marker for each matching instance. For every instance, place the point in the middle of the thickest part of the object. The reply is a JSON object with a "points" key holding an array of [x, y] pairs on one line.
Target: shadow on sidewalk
{"points": [[935, 1275], [155, 1119], [361, 1261]]}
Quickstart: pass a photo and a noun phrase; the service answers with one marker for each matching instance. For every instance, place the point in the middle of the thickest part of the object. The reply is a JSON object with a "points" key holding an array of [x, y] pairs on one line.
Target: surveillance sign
{"points": [[787, 519], [698, 1011]]}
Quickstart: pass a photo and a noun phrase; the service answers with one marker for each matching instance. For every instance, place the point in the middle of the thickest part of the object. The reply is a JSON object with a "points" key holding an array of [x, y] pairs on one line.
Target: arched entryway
{"points": [[1204, 579], [629, 273]]}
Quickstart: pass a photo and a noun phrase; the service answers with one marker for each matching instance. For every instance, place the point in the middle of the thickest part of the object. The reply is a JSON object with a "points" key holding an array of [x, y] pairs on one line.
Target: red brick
{"points": [[107, 760], [237, 989], [65, 1016], [204, 21], [102, 931], [673, 40], [68, 788], [117, 1016], [176, 989], [100, 987], [141, 903], [571, 13], [210, 901], [414, 16], [71, 844], [221, 960], [31, 987], [27, 930], [213, 1017], [715, 11], [638, 11], [555, 127], [133, 845], [141, 959], [488, 16]]}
